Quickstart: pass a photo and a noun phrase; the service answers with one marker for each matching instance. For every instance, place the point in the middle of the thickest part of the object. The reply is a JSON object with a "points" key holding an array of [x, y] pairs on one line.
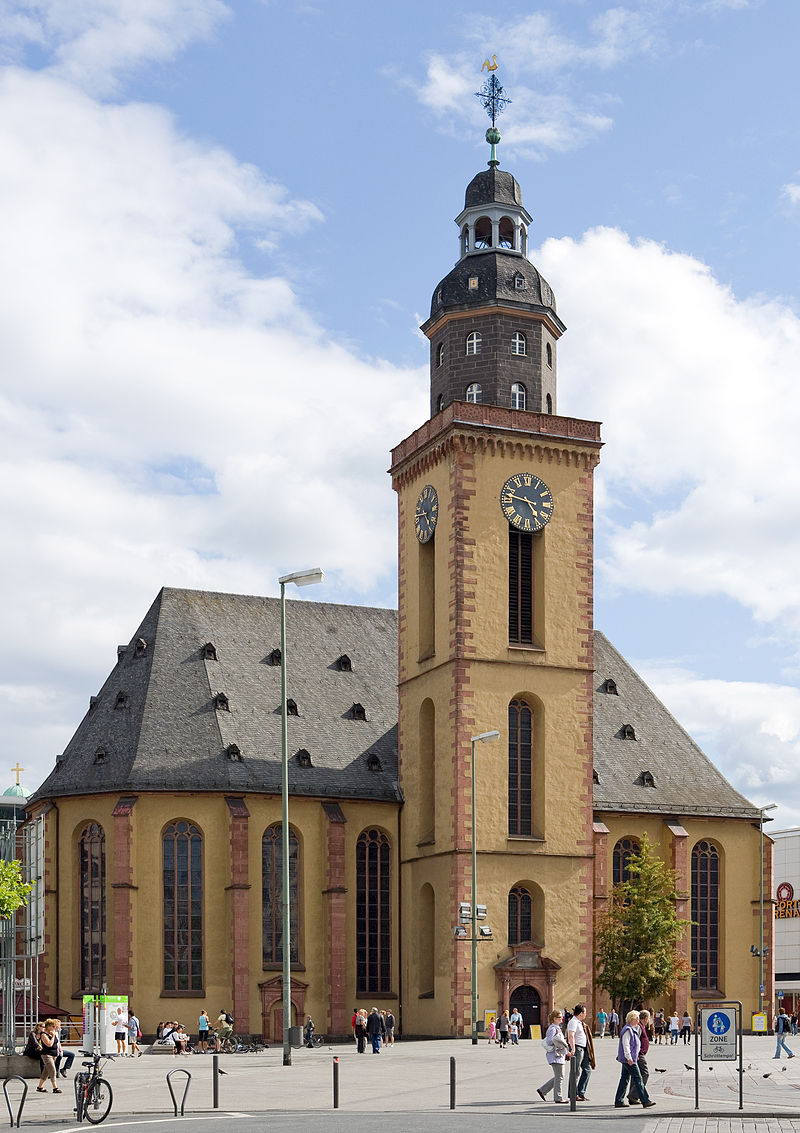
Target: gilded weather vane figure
{"points": [[494, 102]]}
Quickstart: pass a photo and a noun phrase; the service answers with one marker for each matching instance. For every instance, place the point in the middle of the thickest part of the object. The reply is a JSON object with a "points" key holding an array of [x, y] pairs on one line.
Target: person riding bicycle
{"points": [[224, 1028], [308, 1031]]}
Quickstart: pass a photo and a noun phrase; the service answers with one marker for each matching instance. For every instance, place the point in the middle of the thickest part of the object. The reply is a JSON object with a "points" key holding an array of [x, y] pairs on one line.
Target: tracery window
{"points": [[474, 342], [183, 907], [705, 917], [520, 916], [520, 768], [623, 852], [272, 896], [373, 913], [92, 875]]}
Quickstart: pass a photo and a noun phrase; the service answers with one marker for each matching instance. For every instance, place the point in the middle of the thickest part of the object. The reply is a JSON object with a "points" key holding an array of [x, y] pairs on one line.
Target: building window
{"points": [[549, 404], [183, 907], [483, 232], [519, 343], [474, 342], [440, 403], [373, 921], [623, 852], [440, 354], [272, 895], [505, 232], [474, 393], [520, 768], [519, 396], [520, 587], [520, 910], [705, 917], [92, 874], [549, 355]]}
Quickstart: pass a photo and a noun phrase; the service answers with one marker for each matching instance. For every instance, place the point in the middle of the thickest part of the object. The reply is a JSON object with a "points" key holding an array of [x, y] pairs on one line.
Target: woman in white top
{"points": [[557, 1053], [674, 1028]]}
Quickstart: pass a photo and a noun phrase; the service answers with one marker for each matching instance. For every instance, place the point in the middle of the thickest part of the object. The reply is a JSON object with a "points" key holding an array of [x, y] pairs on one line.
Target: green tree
{"points": [[639, 935], [13, 890]]}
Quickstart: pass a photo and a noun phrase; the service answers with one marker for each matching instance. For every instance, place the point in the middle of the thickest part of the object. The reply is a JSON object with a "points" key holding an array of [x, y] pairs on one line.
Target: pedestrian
{"points": [[515, 1017], [203, 1027], [121, 1030], [627, 1055], [613, 1023], [581, 1049], [513, 1033], [308, 1032], [134, 1033], [646, 1034], [602, 1019], [224, 1028], [502, 1025], [374, 1030], [686, 1028], [783, 1025], [33, 1047], [557, 1053], [492, 1031], [389, 1029], [361, 1032], [659, 1023], [49, 1041], [674, 1029], [794, 1024]]}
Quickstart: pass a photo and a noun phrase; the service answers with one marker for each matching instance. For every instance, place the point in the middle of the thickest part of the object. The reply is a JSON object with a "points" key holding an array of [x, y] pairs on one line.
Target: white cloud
{"points": [[792, 192]]}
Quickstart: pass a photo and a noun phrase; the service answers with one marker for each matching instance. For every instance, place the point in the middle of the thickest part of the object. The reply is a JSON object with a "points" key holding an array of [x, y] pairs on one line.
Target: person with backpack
{"points": [[783, 1025], [224, 1028]]}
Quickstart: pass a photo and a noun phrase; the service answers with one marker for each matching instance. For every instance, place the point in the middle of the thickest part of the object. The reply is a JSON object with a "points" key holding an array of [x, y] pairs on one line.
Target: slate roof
{"points": [[170, 735], [686, 781], [495, 272], [491, 186]]}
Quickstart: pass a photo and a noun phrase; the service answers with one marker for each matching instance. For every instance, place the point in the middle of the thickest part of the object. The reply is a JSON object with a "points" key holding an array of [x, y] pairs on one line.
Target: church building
{"points": [[162, 818]]}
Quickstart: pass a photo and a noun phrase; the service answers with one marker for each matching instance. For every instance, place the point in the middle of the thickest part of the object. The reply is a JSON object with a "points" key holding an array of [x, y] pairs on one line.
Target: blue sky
{"points": [[223, 225]]}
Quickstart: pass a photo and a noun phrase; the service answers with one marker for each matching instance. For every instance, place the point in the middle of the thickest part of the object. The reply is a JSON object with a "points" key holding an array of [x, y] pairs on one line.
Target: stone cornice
{"points": [[495, 307]]}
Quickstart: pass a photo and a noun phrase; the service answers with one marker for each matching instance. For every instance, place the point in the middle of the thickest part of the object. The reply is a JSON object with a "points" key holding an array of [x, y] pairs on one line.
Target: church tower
{"points": [[495, 633]]}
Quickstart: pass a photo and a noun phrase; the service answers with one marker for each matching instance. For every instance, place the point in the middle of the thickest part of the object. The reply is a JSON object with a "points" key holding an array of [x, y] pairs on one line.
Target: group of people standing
{"points": [[505, 1028], [377, 1026]]}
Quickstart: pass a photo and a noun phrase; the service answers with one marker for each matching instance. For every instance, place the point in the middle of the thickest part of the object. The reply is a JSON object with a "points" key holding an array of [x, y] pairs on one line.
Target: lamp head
{"points": [[485, 737], [303, 577]]}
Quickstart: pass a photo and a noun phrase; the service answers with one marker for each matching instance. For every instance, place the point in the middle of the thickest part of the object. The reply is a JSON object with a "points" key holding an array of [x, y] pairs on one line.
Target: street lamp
{"points": [[483, 738], [772, 806], [299, 578]]}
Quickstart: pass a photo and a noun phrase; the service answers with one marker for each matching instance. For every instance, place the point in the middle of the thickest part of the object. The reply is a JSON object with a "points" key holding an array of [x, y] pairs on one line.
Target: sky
{"points": [[221, 227]]}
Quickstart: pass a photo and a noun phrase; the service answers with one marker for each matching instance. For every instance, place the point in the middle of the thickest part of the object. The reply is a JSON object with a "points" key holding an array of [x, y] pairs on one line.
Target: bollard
{"points": [[215, 1080], [15, 1078], [336, 1083], [573, 1084], [452, 1082], [178, 1070]]}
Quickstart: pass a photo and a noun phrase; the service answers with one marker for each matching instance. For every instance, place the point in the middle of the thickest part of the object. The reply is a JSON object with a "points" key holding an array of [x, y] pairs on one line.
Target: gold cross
{"points": [[18, 769]]}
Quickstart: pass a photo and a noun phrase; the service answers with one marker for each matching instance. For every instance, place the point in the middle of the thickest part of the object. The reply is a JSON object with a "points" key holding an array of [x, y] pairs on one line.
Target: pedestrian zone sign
{"points": [[718, 1034]]}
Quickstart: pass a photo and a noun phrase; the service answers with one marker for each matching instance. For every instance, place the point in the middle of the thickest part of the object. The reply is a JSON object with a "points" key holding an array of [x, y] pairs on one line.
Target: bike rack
{"points": [[15, 1078], [179, 1070]]}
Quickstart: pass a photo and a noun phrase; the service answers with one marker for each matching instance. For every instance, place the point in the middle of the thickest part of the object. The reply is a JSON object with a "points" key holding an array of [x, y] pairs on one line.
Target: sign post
{"points": [[718, 1038]]}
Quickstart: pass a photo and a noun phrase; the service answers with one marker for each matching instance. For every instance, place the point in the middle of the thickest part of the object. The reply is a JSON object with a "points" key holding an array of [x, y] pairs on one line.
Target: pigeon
{"points": [[767, 1075], [749, 1066], [784, 1069], [222, 1071], [689, 1067], [662, 1070]]}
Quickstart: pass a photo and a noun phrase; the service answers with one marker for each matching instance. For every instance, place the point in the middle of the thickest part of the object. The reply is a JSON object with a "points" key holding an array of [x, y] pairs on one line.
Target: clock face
{"points": [[426, 514], [526, 501]]}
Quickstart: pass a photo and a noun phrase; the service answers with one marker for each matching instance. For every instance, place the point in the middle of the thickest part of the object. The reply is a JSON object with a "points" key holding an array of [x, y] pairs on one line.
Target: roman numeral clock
{"points": [[526, 501]]}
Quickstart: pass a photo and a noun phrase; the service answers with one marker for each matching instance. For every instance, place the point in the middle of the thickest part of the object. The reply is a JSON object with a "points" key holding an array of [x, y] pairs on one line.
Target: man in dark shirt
{"points": [[641, 1061]]}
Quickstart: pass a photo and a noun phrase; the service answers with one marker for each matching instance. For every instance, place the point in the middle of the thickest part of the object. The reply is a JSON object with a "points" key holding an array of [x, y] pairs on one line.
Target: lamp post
{"points": [[299, 578], [483, 738], [772, 806]]}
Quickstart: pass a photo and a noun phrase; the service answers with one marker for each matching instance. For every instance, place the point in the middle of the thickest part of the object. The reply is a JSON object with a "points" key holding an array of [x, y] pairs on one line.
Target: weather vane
{"points": [[494, 102]]}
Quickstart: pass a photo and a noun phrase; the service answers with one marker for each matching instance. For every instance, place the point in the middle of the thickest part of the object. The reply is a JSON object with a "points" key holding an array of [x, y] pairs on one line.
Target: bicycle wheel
{"points": [[98, 1101], [80, 1090]]}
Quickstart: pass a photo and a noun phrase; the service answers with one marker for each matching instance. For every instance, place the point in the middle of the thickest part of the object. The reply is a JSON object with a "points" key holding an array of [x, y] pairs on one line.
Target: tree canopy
{"points": [[639, 935], [13, 890]]}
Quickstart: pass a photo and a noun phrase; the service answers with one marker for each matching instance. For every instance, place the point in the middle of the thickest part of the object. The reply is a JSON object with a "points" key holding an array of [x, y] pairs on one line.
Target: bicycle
{"points": [[316, 1040], [93, 1095]]}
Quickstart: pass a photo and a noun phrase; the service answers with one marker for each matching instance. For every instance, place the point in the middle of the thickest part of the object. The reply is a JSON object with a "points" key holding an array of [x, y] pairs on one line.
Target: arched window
{"points": [[549, 404], [474, 342], [183, 907], [520, 916], [483, 232], [520, 768], [92, 874], [549, 355], [519, 396], [705, 917], [440, 403], [519, 343], [623, 852], [464, 241], [506, 232], [373, 914], [440, 354], [474, 392], [272, 896]]}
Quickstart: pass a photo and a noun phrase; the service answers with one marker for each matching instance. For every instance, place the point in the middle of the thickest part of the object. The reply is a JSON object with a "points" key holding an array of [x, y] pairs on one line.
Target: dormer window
{"points": [[474, 393], [373, 762], [344, 664], [140, 648], [473, 342], [100, 755], [122, 700], [609, 686], [595, 777], [274, 657], [221, 702], [626, 732], [209, 652], [304, 758], [233, 753], [646, 779], [520, 282], [291, 708], [358, 712], [92, 703]]}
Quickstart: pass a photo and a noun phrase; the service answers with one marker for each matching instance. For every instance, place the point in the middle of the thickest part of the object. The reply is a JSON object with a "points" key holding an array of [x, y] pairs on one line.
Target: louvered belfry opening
{"points": [[520, 587]]}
